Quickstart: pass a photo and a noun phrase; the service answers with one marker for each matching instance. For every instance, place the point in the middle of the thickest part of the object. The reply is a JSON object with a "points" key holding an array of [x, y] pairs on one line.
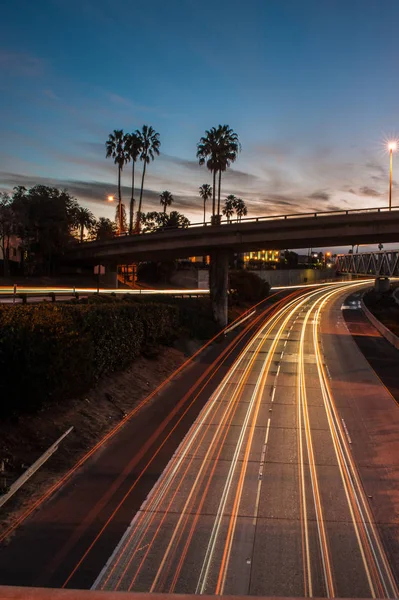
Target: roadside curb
{"points": [[387, 333]]}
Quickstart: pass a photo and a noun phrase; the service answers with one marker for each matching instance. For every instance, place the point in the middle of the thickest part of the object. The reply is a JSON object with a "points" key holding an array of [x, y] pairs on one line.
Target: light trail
{"points": [[282, 312], [62, 480], [242, 357], [215, 564], [212, 367], [368, 539]]}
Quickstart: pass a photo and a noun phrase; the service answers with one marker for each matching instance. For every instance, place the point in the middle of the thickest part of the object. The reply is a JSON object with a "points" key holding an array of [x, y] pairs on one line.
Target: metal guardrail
{"points": [[23, 294], [316, 215], [14, 487]]}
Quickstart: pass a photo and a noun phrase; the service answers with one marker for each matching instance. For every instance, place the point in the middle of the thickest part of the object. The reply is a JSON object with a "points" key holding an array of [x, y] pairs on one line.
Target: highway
{"points": [[266, 494]]}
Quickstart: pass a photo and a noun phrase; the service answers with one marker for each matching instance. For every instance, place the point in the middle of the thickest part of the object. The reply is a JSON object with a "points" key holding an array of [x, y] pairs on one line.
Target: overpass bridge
{"points": [[364, 226]]}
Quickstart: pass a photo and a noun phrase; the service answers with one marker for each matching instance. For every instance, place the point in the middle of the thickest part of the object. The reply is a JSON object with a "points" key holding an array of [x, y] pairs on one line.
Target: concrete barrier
{"points": [[387, 333], [14, 487]]}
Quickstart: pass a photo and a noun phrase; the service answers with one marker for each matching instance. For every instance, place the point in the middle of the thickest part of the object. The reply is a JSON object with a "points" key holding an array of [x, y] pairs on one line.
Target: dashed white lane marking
{"points": [[273, 394], [260, 475], [278, 370], [346, 431]]}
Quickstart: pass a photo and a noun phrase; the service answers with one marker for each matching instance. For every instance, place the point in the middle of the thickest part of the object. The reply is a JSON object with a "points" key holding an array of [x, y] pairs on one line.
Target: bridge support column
{"points": [[218, 282], [110, 278]]}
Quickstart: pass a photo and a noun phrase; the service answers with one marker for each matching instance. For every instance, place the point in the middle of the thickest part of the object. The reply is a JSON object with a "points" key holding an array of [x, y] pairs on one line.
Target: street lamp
{"points": [[110, 198], [391, 147]]}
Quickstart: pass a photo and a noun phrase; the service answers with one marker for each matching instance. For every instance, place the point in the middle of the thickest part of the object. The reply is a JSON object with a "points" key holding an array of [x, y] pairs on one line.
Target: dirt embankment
{"points": [[24, 439]]}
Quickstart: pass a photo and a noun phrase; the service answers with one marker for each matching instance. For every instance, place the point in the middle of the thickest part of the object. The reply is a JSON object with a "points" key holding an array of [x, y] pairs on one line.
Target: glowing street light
{"points": [[391, 148], [110, 198]]}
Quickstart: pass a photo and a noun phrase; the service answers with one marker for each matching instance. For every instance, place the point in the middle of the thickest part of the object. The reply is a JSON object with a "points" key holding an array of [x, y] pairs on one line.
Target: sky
{"points": [[310, 86]]}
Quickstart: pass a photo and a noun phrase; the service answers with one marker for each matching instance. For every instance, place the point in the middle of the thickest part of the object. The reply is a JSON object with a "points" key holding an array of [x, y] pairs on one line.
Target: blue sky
{"points": [[311, 88]]}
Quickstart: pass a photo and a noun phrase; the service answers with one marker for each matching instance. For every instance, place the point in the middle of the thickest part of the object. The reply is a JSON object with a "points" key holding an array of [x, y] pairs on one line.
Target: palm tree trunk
{"points": [[164, 209], [204, 212], [219, 188], [141, 197], [81, 232], [131, 212], [214, 193], [120, 199]]}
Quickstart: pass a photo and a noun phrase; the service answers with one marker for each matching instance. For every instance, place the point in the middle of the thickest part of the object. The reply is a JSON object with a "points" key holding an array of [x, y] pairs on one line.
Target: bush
{"points": [[49, 353], [246, 286]]}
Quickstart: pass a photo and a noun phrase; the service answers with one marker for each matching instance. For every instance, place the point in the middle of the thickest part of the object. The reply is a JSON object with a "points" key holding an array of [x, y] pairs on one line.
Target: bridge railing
{"points": [[316, 215]]}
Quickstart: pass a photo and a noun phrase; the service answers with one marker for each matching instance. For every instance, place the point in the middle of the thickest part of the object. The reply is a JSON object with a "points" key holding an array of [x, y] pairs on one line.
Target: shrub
{"points": [[49, 353], [245, 286]]}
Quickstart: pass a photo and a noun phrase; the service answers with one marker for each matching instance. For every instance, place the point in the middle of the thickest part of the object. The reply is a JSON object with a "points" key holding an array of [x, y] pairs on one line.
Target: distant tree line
{"points": [[45, 220]]}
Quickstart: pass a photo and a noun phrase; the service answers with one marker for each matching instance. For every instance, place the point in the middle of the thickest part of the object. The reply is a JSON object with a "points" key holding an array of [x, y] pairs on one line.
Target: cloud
{"points": [[379, 171], [20, 64], [320, 195], [368, 191]]}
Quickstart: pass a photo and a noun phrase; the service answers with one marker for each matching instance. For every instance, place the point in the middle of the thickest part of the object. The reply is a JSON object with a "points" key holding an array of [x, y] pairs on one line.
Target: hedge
{"points": [[49, 353]]}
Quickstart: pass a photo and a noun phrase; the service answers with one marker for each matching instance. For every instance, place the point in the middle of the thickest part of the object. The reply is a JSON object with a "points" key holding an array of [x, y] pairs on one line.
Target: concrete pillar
{"points": [[218, 282], [110, 278]]}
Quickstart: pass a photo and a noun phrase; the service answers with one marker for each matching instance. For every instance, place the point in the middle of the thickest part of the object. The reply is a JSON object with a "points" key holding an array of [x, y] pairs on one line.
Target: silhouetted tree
{"points": [[133, 149], [205, 192], [84, 219], [45, 220], [229, 206], [121, 212], [165, 199], [103, 229], [240, 208], [149, 147], [116, 147], [7, 226]]}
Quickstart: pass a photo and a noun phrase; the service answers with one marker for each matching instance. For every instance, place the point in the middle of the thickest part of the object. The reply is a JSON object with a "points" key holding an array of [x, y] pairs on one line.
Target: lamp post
{"points": [[391, 147]]}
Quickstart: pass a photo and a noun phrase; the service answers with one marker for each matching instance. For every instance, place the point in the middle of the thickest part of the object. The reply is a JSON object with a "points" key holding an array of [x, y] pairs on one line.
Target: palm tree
{"points": [[229, 206], [218, 149], [165, 200], [120, 218], [205, 192], [229, 147], [149, 147], [84, 218], [207, 153], [133, 149], [241, 209], [116, 148]]}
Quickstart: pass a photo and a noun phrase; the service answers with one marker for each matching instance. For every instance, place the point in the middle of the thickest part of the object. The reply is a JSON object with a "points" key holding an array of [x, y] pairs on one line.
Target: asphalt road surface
{"points": [[270, 466], [280, 487]]}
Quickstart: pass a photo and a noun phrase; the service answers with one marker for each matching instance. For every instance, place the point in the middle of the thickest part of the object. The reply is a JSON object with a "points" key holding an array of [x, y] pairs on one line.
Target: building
{"points": [[267, 256]]}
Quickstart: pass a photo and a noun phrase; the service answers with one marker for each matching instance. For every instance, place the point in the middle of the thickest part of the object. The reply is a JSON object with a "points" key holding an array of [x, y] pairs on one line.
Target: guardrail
{"points": [[284, 217], [14, 487], [23, 294]]}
